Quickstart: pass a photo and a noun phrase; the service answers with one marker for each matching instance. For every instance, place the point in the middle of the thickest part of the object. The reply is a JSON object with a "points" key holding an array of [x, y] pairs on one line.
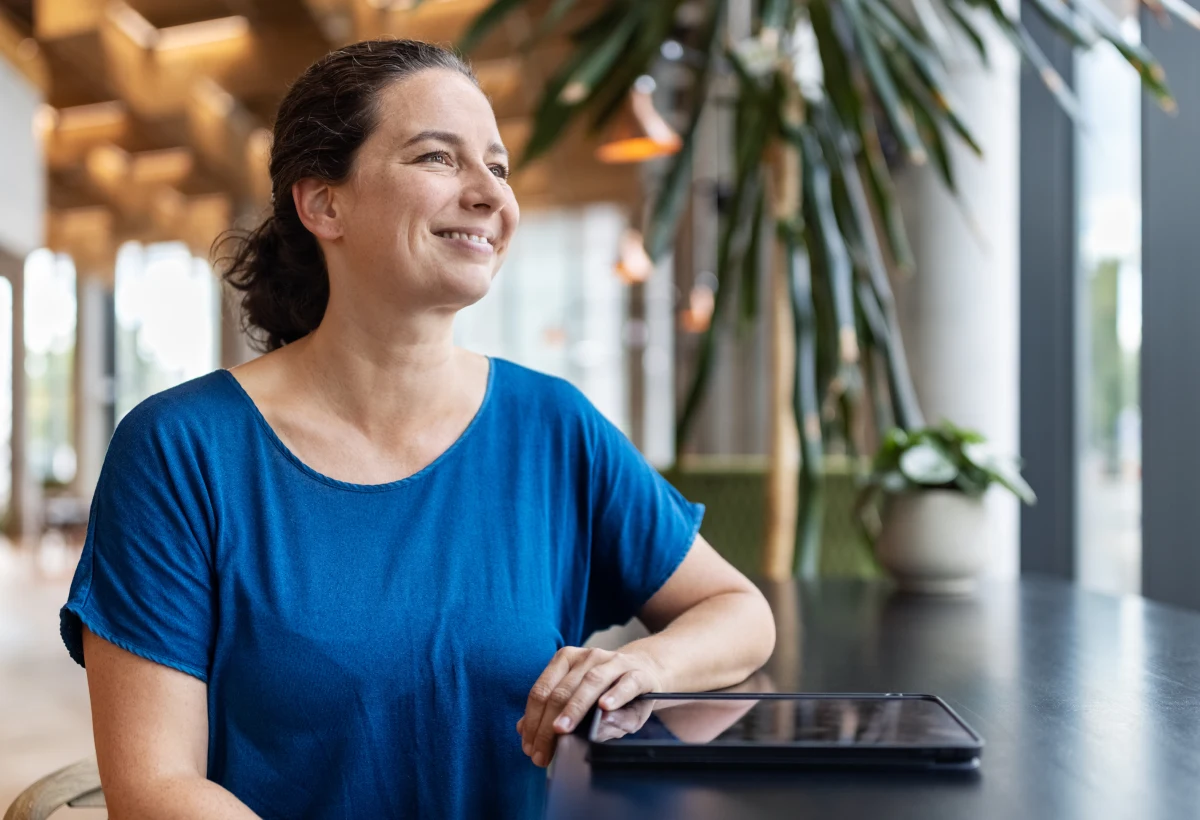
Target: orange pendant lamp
{"points": [[638, 132]]}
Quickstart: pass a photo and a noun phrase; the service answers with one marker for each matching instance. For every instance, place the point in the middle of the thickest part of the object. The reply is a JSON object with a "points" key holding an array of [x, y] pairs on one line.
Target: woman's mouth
{"points": [[476, 243]]}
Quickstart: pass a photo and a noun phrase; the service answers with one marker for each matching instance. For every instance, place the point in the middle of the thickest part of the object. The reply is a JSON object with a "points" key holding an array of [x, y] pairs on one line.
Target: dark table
{"points": [[1089, 706]]}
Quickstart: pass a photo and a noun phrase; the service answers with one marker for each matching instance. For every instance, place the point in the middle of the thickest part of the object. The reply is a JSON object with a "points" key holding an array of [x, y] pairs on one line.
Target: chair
{"points": [[77, 786]]}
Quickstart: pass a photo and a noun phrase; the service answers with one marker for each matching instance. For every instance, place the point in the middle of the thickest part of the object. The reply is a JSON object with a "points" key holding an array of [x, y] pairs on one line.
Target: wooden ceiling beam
{"points": [[153, 69], [69, 133], [231, 139], [92, 235], [25, 55], [86, 234]]}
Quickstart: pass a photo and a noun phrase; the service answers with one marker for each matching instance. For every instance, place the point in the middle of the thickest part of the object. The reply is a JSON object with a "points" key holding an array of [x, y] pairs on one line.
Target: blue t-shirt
{"points": [[368, 649]]}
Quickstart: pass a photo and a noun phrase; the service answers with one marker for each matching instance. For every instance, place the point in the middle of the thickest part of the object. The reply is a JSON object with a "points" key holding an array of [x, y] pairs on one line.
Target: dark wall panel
{"points": [[1171, 325], [1047, 358]]}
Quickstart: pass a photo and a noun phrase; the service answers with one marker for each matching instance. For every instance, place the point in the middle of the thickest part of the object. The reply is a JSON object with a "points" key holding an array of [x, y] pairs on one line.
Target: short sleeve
{"points": [[642, 528], [144, 581]]}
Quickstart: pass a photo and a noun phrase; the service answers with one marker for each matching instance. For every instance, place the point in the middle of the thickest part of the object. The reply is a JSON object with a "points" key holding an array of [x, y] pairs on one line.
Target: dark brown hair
{"points": [[325, 117]]}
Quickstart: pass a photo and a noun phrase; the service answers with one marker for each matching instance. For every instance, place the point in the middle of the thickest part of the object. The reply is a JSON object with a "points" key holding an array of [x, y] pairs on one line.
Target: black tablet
{"points": [[791, 730]]}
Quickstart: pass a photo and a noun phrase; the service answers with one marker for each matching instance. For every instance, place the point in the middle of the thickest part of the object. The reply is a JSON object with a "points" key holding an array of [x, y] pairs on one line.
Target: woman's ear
{"points": [[317, 208]]}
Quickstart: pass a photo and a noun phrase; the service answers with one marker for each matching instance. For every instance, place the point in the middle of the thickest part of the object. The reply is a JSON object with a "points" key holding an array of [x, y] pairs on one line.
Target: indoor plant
{"points": [[932, 482], [815, 91]]}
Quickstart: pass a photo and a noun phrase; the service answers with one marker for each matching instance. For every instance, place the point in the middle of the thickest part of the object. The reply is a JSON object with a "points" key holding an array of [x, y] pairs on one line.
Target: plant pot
{"points": [[932, 541]]}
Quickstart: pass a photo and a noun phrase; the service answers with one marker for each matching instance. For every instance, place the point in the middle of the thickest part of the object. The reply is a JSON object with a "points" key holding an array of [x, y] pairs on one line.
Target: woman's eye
{"points": [[501, 171], [437, 156]]}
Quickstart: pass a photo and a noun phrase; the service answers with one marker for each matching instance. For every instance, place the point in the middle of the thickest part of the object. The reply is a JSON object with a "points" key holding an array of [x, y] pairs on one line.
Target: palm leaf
{"points": [[927, 65], [900, 118], [678, 179], [969, 31], [487, 20]]}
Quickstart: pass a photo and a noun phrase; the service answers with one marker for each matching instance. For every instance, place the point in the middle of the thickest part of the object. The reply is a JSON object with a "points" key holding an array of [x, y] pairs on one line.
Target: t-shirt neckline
{"points": [[349, 485]]}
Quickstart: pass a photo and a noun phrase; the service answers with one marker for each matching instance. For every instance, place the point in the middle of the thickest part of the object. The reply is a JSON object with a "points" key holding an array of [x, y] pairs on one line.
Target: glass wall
{"points": [[168, 315], [49, 365], [1110, 321], [557, 306]]}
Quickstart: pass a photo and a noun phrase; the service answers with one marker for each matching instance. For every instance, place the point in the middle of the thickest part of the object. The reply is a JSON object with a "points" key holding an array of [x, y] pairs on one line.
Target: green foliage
{"points": [[883, 78], [945, 457]]}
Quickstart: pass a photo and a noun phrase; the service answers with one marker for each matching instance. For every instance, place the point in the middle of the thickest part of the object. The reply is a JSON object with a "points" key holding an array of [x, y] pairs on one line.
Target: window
{"points": [[49, 365], [1109, 320], [558, 307], [168, 314]]}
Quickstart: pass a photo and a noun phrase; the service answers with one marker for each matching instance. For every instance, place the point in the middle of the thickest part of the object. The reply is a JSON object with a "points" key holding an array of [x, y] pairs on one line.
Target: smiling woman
{"points": [[353, 577]]}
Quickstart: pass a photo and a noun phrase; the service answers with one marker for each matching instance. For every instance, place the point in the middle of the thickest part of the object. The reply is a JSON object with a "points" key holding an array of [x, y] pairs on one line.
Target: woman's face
{"points": [[427, 212]]}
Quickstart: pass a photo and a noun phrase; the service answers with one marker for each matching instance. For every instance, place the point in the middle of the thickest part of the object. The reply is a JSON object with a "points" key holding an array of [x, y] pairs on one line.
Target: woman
{"points": [[332, 582]]}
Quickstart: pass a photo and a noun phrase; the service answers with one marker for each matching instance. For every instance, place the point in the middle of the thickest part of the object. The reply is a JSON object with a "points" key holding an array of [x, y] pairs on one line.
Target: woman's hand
{"points": [[576, 679]]}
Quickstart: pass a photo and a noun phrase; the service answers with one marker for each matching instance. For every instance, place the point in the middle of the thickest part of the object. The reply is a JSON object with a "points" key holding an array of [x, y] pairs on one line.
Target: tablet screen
{"points": [[874, 721]]}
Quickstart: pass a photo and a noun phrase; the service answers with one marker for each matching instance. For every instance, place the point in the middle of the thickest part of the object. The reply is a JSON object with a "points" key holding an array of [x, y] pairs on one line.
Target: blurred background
{"points": [[1045, 297]]}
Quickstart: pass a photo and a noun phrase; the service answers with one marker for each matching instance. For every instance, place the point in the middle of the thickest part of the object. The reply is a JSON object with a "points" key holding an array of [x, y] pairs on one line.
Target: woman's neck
{"points": [[387, 381]]}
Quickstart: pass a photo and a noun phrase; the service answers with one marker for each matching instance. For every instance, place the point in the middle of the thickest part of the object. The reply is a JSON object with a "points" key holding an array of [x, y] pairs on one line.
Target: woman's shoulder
{"points": [[194, 409], [530, 391]]}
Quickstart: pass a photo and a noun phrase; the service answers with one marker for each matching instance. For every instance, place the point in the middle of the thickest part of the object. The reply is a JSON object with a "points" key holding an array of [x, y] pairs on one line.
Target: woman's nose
{"points": [[485, 191]]}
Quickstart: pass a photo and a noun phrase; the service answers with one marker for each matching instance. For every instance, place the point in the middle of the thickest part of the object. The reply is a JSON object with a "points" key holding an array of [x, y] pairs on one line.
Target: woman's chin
{"points": [[466, 287]]}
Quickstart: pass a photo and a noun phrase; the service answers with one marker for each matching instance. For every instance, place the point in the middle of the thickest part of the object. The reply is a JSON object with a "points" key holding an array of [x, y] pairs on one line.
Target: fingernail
{"points": [[527, 749], [563, 723], [539, 759], [608, 702]]}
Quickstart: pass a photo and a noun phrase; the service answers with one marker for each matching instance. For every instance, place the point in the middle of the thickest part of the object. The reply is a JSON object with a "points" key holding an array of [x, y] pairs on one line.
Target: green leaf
{"points": [[1183, 11], [774, 13], [747, 188], [1020, 37], [1072, 27], [644, 47], [557, 11], [878, 292], [882, 83], [487, 20], [1003, 470], [968, 29], [931, 132], [927, 85], [677, 182], [554, 115], [751, 265], [583, 80], [805, 402], [819, 199], [926, 464], [1137, 55]]}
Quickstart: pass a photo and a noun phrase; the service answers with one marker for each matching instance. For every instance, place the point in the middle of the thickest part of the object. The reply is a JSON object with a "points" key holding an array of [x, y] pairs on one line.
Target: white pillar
{"points": [[22, 214], [25, 503], [93, 386], [959, 311]]}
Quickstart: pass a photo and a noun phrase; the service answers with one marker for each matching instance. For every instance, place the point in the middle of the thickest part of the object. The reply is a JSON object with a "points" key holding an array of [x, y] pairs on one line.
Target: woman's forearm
{"points": [[717, 643], [177, 798]]}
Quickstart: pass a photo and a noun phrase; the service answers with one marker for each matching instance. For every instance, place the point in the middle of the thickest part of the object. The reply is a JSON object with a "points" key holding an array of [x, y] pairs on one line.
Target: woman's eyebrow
{"points": [[453, 139]]}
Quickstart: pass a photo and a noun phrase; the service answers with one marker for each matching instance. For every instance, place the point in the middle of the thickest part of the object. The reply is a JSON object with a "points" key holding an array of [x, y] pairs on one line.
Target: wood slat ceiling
{"points": [[158, 118]]}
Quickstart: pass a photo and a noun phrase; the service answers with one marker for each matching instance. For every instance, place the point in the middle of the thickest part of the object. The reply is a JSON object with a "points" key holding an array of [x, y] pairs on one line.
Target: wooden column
{"points": [[783, 469]]}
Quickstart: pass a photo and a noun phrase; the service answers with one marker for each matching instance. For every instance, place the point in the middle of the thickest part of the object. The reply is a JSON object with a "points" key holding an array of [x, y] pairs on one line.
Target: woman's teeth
{"points": [[470, 237]]}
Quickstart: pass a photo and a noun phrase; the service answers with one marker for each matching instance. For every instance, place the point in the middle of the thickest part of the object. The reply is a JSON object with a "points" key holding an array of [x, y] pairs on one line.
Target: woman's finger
{"points": [[539, 694], [633, 683], [583, 669], [615, 680]]}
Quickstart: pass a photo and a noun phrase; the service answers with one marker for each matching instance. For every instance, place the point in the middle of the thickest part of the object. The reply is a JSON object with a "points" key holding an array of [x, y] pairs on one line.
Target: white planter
{"points": [[932, 541]]}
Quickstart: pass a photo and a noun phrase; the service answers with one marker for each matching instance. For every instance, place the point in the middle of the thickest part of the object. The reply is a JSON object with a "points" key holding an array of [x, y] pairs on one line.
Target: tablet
{"points": [[791, 730]]}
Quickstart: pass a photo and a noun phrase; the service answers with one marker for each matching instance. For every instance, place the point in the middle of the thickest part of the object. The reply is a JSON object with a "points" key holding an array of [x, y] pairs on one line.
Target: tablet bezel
{"points": [[963, 755]]}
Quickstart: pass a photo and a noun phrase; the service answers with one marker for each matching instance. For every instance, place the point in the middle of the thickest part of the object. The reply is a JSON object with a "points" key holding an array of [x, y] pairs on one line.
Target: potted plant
{"points": [[932, 482], [811, 92]]}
